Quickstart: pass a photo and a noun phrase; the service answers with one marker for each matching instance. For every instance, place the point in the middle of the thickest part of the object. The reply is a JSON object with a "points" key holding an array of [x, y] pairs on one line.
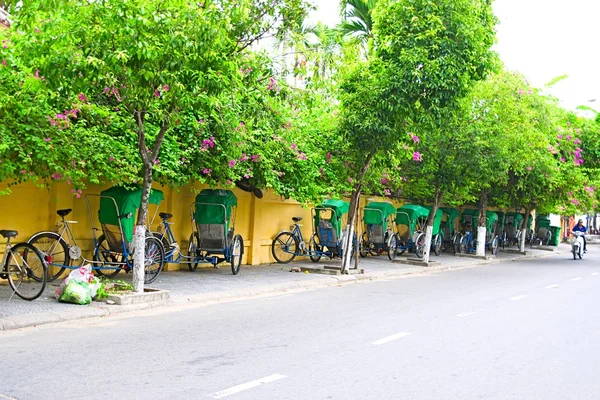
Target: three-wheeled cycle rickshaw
{"points": [[542, 234], [327, 239], [213, 239], [469, 220], [114, 249], [411, 219], [437, 235], [451, 235], [378, 219]]}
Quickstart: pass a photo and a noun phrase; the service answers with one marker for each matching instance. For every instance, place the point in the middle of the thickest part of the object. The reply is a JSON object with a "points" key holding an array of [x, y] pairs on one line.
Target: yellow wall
{"points": [[30, 209]]}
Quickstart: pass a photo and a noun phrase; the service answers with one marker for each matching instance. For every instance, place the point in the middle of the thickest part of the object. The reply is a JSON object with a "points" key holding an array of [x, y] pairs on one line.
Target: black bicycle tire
{"points": [[99, 271], [236, 269], [293, 255], [192, 258], [28, 248], [54, 235], [161, 249]]}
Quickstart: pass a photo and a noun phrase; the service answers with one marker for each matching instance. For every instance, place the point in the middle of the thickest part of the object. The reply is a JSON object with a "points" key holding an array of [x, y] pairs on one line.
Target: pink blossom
{"points": [[107, 90], [156, 93], [562, 159], [387, 192], [206, 171], [228, 182], [3, 62], [247, 176], [23, 172], [568, 137], [417, 156], [157, 161], [415, 138], [232, 163], [56, 176], [350, 180], [301, 156], [577, 141], [520, 91], [244, 157], [404, 179], [384, 181], [559, 136], [166, 88], [255, 158], [111, 158], [47, 139], [272, 84], [81, 97], [529, 168], [73, 191], [329, 156], [68, 181], [294, 147]]}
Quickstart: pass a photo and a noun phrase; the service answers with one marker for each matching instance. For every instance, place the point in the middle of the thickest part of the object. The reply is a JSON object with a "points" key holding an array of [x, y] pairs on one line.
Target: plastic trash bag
{"points": [[76, 292], [81, 274]]}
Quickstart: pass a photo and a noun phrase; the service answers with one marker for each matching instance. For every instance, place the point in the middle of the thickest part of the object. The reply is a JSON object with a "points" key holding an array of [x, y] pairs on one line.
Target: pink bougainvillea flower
{"points": [[73, 191], [577, 141], [157, 161], [559, 136], [232, 163], [329, 157], [529, 168], [244, 157], [111, 158], [350, 180], [520, 91], [206, 171], [294, 147], [166, 88], [568, 137], [417, 156], [81, 97], [415, 138], [3, 62], [156, 93], [387, 192], [47, 139], [562, 159], [301, 156], [23, 172], [255, 158], [384, 181], [56, 176], [107, 90]]}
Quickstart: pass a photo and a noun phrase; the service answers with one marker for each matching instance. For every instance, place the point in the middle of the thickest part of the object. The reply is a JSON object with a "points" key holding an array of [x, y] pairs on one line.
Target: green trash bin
{"points": [[555, 238]]}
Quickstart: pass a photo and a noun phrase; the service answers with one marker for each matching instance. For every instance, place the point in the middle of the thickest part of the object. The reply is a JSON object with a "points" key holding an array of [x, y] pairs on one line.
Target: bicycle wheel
{"points": [[237, 251], [55, 252], [26, 271], [154, 259], [392, 246], [364, 246], [193, 252], [109, 258], [437, 244], [314, 248], [285, 247], [420, 245]]}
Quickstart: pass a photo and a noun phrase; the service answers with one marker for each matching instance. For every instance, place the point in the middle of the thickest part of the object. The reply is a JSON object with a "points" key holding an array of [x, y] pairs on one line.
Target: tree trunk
{"points": [[140, 232], [354, 202], [481, 223], [524, 229], [429, 229]]}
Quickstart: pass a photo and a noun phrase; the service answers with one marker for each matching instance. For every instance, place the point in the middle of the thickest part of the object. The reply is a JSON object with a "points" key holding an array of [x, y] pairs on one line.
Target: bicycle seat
{"points": [[64, 213], [297, 219], [165, 215], [8, 234]]}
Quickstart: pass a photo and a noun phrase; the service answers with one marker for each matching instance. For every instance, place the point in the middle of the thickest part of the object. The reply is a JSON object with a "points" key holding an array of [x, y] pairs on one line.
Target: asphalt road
{"points": [[527, 330]]}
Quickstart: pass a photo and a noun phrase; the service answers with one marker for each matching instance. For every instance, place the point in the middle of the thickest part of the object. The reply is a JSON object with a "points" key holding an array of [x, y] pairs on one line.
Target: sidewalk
{"points": [[208, 285]]}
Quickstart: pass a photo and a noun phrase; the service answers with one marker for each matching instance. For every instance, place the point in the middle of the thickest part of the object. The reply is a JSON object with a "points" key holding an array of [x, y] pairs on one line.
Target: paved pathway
{"points": [[209, 285]]}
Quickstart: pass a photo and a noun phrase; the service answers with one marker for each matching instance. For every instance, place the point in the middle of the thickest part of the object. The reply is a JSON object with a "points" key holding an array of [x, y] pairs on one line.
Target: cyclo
{"points": [[542, 233], [213, 239], [410, 221], [511, 232], [500, 228], [437, 235], [451, 235], [378, 219], [114, 250], [468, 242], [327, 238]]}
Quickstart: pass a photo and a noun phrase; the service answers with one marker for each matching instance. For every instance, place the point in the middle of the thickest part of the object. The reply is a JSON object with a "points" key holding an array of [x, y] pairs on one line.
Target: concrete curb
{"points": [[31, 320]]}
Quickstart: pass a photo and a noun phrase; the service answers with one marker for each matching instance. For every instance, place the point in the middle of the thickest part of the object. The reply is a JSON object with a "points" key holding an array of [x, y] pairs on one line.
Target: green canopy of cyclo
{"points": [[491, 217], [409, 214], [337, 207], [501, 219], [452, 214], [214, 206], [542, 221], [518, 218], [127, 201], [377, 212], [437, 220]]}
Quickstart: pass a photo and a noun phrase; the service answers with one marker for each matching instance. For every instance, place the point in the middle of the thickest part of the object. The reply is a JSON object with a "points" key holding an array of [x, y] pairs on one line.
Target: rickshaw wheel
{"points": [[107, 257], [236, 253], [154, 259], [420, 245], [192, 252], [314, 248], [437, 244], [364, 244], [392, 247], [288, 245], [495, 246]]}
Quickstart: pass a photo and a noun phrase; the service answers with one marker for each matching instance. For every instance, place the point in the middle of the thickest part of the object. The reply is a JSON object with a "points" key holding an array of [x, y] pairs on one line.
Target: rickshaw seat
{"points": [[212, 237], [327, 235], [114, 238], [511, 232], [542, 232], [296, 219], [64, 213], [165, 215], [375, 233]]}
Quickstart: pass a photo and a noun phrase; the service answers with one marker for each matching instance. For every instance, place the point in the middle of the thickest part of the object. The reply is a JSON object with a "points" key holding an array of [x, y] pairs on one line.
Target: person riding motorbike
{"points": [[580, 228]]}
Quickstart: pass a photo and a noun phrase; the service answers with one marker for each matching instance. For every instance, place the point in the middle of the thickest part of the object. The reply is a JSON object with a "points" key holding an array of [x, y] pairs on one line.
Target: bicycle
{"points": [[24, 267], [58, 252]]}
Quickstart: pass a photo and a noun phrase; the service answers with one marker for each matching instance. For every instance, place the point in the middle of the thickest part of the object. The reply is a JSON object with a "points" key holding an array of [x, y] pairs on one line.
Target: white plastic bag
{"points": [[81, 274]]}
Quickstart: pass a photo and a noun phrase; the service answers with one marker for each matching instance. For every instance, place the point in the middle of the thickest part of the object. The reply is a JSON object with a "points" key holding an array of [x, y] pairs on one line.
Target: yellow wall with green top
{"points": [[30, 209]]}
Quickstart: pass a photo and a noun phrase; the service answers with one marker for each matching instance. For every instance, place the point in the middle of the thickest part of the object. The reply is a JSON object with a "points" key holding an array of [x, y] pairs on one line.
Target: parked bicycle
{"points": [[24, 268]]}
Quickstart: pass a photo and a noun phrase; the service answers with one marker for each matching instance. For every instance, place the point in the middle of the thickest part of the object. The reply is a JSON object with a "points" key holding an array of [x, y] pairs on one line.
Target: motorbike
{"points": [[577, 245]]}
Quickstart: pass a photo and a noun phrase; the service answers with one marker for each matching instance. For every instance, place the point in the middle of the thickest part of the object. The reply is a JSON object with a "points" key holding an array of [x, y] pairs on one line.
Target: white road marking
{"points": [[595, 273], [246, 386], [519, 297], [2, 396], [390, 338], [467, 313], [576, 279], [552, 286]]}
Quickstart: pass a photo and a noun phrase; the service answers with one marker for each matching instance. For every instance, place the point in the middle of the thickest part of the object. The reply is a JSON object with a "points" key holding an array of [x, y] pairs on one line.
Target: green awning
{"points": [[437, 220], [214, 206], [337, 207], [376, 213], [409, 214]]}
